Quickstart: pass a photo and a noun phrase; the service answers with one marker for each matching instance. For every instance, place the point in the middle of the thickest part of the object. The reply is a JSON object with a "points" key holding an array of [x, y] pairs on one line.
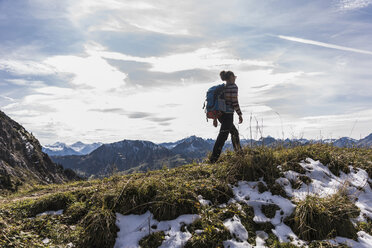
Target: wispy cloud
{"points": [[353, 4], [322, 44], [216, 56]]}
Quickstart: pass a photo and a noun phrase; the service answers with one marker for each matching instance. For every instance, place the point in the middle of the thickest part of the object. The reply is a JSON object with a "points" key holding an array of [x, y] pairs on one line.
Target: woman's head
{"points": [[228, 76]]}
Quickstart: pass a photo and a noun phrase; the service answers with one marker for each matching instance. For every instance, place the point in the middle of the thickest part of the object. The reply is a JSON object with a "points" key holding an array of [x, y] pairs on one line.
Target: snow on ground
{"points": [[247, 192], [261, 236], [364, 241], [325, 183], [58, 212], [135, 227], [204, 202], [236, 228]]}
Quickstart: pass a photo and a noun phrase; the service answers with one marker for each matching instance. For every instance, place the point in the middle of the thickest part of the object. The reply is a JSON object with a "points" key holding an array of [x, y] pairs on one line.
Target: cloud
{"points": [[23, 82], [216, 56], [109, 110], [128, 15], [353, 4], [25, 67], [161, 119], [139, 115], [92, 71], [322, 44], [140, 75], [7, 98], [135, 114]]}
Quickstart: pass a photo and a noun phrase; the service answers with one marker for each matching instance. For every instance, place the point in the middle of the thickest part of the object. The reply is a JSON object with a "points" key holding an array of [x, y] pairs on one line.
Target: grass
{"points": [[153, 240], [322, 218], [90, 206]]}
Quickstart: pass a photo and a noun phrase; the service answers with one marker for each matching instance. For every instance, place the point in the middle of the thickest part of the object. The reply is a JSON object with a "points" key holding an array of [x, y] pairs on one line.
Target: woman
{"points": [[227, 118]]}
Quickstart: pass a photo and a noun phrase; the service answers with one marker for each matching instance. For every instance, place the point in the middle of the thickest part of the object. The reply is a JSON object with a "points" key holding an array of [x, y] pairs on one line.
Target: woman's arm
{"points": [[235, 101]]}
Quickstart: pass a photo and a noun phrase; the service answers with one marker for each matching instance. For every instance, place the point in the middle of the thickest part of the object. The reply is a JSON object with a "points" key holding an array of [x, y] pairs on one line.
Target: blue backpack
{"points": [[215, 102]]}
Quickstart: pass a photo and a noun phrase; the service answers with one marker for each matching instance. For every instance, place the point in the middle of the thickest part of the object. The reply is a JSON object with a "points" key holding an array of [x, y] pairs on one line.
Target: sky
{"points": [[108, 70]]}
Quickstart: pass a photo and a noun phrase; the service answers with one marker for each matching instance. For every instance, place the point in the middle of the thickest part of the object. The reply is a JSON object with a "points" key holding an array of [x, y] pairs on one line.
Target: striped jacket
{"points": [[231, 99]]}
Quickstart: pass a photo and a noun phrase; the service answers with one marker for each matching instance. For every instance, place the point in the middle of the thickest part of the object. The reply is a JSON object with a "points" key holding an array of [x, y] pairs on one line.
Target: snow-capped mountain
{"points": [[83, 148], [78, 148], [59, 149]]}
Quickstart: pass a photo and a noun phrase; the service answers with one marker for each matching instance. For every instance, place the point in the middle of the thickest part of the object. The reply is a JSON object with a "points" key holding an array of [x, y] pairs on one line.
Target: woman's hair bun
{"points": [[223, 75]]}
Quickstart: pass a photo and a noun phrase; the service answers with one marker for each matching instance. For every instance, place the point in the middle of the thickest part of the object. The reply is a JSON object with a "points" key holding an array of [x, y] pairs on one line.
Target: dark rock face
{"points": [[22, 160]]}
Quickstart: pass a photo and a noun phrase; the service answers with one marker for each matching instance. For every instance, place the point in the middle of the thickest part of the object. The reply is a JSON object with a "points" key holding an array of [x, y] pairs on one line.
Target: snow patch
{"points": [[364, 241], [237, 230], [135, 227], [325, 183], [247, 192], [58, 212], [261, 236], [204, 202]]}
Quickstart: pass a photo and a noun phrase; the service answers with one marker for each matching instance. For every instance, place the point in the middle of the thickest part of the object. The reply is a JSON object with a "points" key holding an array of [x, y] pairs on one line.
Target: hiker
{"points": [[227, 117]]}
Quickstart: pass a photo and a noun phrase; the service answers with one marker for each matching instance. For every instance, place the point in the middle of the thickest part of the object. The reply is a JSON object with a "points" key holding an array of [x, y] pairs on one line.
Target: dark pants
{"points": [[227, 126]]}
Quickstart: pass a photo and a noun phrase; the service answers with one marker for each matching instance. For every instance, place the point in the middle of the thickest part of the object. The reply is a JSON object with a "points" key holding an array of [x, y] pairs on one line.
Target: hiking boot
{"points": [[213, 160]]}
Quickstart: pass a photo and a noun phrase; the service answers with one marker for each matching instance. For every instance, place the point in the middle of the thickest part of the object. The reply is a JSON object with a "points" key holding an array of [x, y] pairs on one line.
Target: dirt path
{"points": [[12, 198]]}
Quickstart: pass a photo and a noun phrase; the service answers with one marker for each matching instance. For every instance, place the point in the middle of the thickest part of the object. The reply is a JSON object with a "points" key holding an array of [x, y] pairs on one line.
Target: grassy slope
{"points": [[89, 206]]}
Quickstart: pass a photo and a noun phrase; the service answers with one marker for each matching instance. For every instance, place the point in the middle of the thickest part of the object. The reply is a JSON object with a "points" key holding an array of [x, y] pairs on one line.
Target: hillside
{"points": [[22, 160], [315, 195]]}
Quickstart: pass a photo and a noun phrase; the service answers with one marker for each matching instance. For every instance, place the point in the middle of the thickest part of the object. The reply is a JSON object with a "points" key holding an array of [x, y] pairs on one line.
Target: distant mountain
{"points": [[127, 156], [365, 142], [22, 160], [194, 147], [267, 141], [83, 148], [197, 148], [78, 148], [345, 142], [59, 149]]}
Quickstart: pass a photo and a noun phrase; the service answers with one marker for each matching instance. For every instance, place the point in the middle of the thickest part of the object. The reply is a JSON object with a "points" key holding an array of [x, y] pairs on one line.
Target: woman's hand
{"points": [[215, 122], [240, 119]]}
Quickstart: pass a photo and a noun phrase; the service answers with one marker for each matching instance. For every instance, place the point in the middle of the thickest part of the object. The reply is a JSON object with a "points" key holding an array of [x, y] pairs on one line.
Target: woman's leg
{"points": [[226, 122], [235, 138]]}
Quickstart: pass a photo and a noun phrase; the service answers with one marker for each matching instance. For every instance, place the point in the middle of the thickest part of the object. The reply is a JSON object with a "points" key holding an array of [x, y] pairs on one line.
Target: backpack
{"points": [[215, 101]]}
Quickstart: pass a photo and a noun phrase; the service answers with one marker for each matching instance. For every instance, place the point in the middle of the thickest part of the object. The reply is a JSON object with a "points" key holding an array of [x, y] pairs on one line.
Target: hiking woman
{"points": [[227, 117]]}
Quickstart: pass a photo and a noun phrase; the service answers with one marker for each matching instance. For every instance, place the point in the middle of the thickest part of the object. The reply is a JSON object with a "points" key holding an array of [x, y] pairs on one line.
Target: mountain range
{"points": [[126, 156], [138, 155]]}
